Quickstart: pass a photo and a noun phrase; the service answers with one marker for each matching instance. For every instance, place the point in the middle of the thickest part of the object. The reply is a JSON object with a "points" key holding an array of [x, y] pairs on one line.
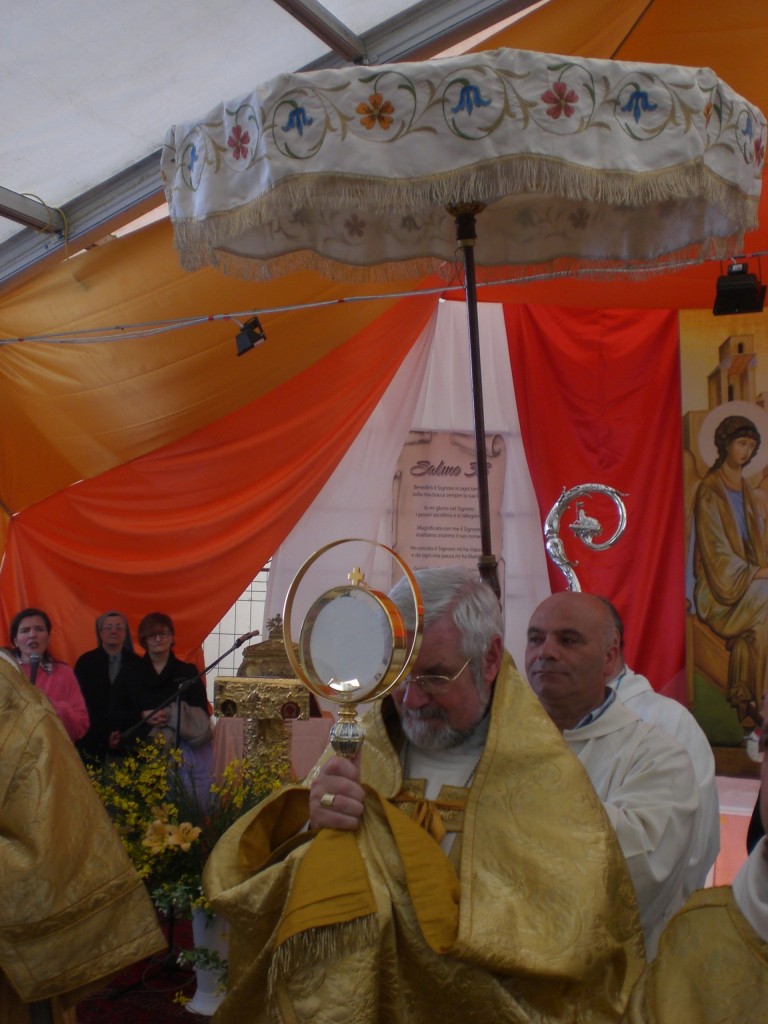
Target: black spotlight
{"points": [[738, 291], [249, 336]]}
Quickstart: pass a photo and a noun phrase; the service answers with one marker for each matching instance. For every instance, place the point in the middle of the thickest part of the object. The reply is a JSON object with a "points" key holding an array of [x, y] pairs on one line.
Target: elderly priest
{"points": [[465, 869]]}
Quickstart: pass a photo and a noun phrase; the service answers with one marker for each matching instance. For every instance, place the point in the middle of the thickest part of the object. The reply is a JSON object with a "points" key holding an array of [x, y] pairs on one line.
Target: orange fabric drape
{"points": [[72, 411], [718, 35], [187, 527], [731, 40]]}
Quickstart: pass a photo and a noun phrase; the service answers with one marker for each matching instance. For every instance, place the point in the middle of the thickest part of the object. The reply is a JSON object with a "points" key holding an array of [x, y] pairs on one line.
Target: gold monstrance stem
{"points": [[347, 733]]}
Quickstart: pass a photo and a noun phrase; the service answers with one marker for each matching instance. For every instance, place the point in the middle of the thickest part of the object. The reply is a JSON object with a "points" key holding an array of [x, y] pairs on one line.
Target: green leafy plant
{"points": [[167, 826], [203, 959]]}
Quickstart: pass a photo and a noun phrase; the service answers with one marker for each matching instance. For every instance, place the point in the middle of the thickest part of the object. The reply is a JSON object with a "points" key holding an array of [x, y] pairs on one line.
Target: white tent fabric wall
{"points": [[431, 391]]}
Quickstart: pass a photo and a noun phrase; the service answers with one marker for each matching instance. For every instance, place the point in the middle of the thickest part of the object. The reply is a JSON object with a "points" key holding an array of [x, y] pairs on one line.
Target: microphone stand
{"points": [[169, 960], [184, 685]]}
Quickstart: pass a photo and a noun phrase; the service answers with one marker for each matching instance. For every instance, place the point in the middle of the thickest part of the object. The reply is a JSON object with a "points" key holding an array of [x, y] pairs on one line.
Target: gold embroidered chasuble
{"points": [[74, 911], [711, 968], [537, 923]]}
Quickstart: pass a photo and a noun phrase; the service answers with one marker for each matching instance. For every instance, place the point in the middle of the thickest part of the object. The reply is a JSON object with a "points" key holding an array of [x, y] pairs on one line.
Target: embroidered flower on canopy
{"points": [[297, 121], [377, 111], [193, 158], [637, 104], [561, 100], [759, 149], [238, 142], [579, 219], [708, 111], [355, 226], [469, 98]]}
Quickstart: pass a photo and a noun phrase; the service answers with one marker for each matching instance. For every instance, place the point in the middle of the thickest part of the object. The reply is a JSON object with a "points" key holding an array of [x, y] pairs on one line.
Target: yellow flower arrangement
{"points": [[166, 827]]}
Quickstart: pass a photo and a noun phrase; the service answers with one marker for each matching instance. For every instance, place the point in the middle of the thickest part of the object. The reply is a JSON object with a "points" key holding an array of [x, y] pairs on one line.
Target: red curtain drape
{"points": [[598, 393]]}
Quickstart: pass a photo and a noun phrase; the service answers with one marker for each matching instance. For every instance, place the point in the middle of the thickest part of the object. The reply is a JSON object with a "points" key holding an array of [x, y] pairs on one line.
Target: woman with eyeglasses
{"points": [[150, 681]]}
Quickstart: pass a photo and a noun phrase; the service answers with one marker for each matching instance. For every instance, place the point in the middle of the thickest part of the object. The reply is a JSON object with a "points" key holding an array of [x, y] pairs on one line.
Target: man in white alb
{"points": [[644, 778], [636, 693]]}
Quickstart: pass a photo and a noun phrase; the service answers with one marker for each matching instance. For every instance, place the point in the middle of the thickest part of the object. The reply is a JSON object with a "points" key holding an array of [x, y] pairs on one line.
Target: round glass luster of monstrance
{"points": [[353, 644]]}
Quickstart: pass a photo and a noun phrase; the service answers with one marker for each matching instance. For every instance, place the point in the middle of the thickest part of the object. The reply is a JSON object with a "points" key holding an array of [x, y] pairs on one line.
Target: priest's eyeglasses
{"points": [[435, 685]]}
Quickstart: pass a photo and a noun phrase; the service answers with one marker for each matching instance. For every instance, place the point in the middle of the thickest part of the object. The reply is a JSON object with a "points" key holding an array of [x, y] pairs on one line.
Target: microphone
{"points": [[34, 664], [247, 636]]}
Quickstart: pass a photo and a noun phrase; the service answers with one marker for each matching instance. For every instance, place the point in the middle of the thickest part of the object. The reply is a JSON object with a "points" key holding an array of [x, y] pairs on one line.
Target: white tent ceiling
{"points": [[88, 89]]}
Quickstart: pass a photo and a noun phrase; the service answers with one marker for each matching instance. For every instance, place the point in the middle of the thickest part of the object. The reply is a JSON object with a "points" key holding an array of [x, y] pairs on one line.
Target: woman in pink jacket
{"points": [[30, 632]]}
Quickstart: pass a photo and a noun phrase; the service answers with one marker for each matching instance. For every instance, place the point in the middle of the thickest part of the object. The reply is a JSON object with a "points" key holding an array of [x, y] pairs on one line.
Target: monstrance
{"points": [[354, 644]]}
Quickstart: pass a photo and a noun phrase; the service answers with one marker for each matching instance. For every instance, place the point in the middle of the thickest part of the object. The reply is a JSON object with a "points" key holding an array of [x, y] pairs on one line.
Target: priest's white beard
{"points": [[428, 729]]}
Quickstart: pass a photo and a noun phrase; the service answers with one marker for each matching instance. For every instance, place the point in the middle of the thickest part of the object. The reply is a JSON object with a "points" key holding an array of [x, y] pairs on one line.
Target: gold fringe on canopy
{"points": [[590, 160]]}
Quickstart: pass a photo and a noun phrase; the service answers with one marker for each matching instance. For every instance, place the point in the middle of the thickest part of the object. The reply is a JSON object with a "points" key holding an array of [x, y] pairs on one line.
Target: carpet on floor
{"points": [[149, 992]]}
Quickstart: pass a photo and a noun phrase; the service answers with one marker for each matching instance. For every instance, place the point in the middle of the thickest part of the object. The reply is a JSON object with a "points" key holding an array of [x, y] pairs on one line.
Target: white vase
{"points": [[213, 933]]}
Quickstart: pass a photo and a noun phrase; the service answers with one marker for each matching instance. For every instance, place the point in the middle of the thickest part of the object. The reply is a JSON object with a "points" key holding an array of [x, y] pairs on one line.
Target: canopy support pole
{"points": [[464, 214]]}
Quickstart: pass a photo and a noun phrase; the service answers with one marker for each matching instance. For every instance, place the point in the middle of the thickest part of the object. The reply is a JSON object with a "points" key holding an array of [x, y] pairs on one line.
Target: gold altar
{"points": [[265, 694]]}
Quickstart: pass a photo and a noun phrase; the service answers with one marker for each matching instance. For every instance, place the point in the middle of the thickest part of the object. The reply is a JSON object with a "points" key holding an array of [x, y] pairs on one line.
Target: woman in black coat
{"points": [[97, 673], [150, 681]]}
